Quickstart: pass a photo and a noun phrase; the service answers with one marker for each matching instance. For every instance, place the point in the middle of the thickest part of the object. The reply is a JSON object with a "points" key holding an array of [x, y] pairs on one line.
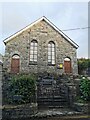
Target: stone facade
{"points": [[1, 58], [43, 32], [1, 65], [19, 111]]}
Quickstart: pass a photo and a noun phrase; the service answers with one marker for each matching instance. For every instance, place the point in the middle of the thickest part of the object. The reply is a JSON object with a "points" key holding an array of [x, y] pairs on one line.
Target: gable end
{"points": [[50, 23]]}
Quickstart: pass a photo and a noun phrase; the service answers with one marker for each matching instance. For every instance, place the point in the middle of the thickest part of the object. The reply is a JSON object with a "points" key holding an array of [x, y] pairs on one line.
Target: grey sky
{"points": [[64, 15]]}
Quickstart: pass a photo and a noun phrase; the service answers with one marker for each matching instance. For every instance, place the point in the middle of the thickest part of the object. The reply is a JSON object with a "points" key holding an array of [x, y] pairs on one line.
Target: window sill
{"points": [[32, 63], [51, 64]]}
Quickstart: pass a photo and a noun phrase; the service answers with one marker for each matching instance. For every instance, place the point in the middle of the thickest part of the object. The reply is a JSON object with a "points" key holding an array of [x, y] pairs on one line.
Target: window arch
{"points": [[15, 56], [51, 53], [67, 59], [33, 51]]}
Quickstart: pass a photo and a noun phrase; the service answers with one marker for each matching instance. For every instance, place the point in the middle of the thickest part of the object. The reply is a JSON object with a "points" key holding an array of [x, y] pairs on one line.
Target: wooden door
{"points": [[15, 65], [67, 66]]}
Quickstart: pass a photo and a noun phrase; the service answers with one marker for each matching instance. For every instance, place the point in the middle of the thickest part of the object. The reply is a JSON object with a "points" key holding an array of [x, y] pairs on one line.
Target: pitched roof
{"points": [[50, 23]]}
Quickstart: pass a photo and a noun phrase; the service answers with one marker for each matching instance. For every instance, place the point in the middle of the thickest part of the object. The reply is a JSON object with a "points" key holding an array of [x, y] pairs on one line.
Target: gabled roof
{"points": [[50, 23]]}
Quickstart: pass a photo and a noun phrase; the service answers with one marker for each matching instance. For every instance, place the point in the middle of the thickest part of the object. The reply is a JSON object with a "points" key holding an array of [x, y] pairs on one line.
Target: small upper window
{"points": [[33, 51], [51, 53]]}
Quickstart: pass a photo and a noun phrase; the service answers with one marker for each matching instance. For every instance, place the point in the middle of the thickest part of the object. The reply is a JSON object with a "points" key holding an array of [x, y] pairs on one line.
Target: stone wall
{"points": [[43, 33], [19, 111], [1, 58], [82, 107], [1, 90]]}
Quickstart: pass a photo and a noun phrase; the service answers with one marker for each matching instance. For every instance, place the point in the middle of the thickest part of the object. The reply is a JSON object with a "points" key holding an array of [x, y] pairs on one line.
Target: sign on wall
{"points": [[60, 66]]}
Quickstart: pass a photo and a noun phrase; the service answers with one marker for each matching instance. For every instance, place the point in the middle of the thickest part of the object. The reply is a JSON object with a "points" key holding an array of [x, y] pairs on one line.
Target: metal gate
{"points": [[51, 93]]}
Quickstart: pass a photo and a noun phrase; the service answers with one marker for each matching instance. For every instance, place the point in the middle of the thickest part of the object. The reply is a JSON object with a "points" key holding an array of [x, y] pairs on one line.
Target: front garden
{"points": [[21, 96]]}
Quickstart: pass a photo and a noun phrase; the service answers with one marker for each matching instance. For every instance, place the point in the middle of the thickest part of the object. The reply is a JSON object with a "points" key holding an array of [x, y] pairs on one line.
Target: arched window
{"points": [[51, 53], [33, 51]]}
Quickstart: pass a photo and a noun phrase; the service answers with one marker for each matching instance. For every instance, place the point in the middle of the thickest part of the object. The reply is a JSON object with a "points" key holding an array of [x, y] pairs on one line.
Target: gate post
{"points": [[71, 94]]}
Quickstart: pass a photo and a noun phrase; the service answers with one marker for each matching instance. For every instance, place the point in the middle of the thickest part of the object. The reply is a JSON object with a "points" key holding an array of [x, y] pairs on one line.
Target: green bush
{"points": [[22, 88], [85, 89]]}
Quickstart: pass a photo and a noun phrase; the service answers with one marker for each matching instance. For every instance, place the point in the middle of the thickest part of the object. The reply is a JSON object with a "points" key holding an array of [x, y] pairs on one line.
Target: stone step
{"points": [[56, 101], [50, 97], [52, 104], [50, 94], [50, 100]]}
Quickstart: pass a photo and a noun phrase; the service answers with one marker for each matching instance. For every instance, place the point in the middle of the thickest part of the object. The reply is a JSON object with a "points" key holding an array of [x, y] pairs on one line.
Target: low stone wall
{"points": [[19, 111], [81, 107]]}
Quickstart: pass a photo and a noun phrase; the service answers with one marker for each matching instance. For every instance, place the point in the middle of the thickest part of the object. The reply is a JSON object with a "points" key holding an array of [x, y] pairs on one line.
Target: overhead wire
{"points": [[76, 29]]}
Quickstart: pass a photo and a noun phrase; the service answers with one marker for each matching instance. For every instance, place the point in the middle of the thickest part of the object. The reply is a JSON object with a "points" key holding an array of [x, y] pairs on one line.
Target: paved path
{"points": [[61, 114]]}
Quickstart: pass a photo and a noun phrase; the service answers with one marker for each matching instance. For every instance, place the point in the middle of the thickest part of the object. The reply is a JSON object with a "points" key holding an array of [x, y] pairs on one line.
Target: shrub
{"points": [[22, 88], [85, 89]]}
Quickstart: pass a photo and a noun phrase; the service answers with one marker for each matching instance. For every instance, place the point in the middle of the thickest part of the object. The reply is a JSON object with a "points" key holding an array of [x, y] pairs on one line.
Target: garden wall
{"points": [[19, 111]]}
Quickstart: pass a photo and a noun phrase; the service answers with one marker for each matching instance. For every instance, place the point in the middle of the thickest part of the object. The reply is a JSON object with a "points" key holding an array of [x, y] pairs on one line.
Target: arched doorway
{"points": [[67, 65], [15, 64]]}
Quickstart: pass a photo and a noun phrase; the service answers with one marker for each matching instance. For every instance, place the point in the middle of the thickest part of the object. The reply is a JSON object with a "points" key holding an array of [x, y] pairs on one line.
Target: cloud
{"points": [[65, 15]]}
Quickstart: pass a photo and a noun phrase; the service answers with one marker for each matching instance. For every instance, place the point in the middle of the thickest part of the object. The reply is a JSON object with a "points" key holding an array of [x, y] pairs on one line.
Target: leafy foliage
{"points": [[83, 65], [85, 89], [22, 88]]}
